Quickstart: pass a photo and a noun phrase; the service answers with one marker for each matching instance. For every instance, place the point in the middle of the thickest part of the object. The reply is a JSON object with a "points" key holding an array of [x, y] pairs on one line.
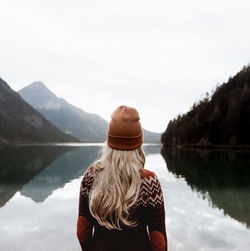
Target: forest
{"points": [[221, 119]]}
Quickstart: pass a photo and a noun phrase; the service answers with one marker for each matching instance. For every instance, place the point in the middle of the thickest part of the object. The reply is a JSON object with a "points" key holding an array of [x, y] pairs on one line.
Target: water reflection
{"points": [[36, 171], [67, 167], [18, 165], [223, 177], [45, 182]]}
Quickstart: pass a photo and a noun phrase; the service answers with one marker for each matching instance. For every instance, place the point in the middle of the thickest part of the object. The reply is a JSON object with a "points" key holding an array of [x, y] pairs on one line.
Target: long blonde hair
{"points": [[116, 187]]}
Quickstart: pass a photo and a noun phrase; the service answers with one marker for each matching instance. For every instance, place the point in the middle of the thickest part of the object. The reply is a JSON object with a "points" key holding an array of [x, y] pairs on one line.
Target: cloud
{"points": [[157, 56]]}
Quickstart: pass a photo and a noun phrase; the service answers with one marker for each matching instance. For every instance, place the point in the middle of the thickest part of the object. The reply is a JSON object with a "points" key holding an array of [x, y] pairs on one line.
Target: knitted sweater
{"points": [[148, 211]]}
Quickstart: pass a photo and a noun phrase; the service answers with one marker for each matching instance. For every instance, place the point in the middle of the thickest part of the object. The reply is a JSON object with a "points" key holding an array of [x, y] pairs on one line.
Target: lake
{"points": [[206, 193]]}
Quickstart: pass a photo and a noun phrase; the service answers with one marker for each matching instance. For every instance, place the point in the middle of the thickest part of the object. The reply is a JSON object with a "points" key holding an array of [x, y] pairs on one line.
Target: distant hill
{"points": [[70, 119], [222, 120], [21, 123], [87, 127], [151, 137]]}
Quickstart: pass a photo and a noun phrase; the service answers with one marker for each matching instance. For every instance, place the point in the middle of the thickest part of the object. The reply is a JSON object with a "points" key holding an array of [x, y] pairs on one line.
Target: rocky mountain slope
{"points": [[21, 123], [87, 127]]}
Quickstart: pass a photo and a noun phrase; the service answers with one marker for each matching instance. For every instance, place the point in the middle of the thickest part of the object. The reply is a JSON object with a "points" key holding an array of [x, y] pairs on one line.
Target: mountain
{"points": [[86, 126], [70, 119], [222, 120], [21, 123], [151, 137]]}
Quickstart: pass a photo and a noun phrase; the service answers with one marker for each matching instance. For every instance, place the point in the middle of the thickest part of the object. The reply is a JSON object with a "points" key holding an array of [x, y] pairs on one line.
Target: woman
{"points": [[121, 204]]}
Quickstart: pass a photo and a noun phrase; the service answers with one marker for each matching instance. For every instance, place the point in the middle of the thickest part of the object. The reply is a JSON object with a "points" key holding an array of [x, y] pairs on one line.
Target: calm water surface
{"points": [[207, 196]]}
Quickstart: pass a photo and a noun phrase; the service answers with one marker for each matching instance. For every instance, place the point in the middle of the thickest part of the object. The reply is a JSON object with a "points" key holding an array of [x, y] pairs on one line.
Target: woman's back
{"points": [[148, 212]]}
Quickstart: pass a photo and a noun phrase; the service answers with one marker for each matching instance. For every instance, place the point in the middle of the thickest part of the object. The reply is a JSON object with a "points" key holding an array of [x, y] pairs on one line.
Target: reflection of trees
{"points": [[222, 176], [18, 165]]}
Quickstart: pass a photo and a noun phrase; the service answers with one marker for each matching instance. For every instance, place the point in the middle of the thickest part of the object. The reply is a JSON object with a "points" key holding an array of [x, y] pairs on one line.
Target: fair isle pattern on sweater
{"points": [[87, 182], [150, 192], [148, 211]]}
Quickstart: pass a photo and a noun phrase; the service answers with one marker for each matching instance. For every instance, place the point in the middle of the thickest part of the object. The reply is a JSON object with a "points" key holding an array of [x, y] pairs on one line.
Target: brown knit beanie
{"points": [[125, 131]]}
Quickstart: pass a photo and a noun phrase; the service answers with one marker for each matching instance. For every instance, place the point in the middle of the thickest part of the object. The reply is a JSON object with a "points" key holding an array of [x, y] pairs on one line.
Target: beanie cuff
{"points": [[124, 143]]}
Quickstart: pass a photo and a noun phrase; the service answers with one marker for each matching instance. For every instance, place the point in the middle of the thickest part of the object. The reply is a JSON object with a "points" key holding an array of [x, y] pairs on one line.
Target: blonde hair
{"points": [[116, 187]]}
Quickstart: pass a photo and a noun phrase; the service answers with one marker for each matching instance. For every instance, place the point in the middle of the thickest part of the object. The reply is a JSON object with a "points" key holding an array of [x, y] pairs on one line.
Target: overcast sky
{"points": [[158, 56]]}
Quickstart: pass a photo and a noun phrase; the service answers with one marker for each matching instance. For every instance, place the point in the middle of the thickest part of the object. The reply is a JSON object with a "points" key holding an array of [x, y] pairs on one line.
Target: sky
{"points": [[157, 56]]}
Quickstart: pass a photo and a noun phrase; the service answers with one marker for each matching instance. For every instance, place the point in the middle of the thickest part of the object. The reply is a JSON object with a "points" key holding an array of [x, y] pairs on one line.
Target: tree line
{"points": [[220, 120]]}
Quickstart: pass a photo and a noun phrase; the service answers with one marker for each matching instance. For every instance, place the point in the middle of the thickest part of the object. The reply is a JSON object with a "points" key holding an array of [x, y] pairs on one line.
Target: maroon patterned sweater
{"points": [[148, 211]]}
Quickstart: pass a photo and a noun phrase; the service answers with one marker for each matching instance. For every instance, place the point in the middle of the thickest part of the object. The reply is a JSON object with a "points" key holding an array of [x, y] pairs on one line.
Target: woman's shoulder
{"points": [[89, 170], [149, 179], [87, 180], [150, 189], [147, 174], [88, 174]]}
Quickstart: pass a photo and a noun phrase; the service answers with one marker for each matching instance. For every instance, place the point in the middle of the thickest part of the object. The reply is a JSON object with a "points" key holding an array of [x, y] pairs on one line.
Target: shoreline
{"points": [[217, 146], [66, 144]]}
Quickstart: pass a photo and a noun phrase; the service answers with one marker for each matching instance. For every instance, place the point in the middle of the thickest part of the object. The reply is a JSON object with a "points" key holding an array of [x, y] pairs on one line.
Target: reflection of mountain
{"points": [[221, 176], [18, 165], [152, 149], [66, 168], [38, 170]]}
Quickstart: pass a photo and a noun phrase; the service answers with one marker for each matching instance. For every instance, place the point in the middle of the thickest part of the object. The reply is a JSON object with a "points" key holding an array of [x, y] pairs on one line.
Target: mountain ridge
{"points": [[88, 127], [21, 123]]}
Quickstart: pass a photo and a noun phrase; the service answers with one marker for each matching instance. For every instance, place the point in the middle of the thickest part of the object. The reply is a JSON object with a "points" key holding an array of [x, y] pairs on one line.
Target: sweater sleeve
{"points": [[156, 215], [84, 223]]}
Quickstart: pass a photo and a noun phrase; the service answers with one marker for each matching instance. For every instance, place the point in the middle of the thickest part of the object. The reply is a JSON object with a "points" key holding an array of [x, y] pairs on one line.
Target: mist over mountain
{"points": [[21, 123], [69, 118], [72, 120]]}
